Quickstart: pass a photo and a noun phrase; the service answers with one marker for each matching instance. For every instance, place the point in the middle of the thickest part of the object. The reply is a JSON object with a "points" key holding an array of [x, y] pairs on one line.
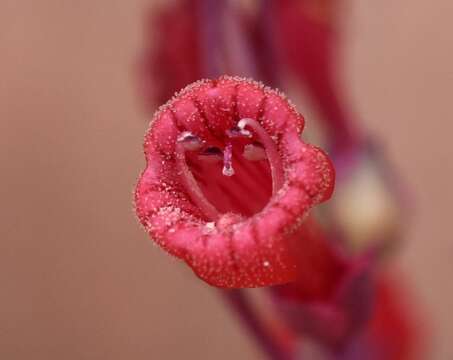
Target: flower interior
{"points": [[234, 173], [229, 182]]}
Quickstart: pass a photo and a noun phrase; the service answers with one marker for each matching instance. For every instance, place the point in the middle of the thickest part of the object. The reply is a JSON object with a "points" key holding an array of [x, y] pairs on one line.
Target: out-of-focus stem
{"points": [[212, 18], [317, 74], [210, 25], [245, 310], [270, 61]]}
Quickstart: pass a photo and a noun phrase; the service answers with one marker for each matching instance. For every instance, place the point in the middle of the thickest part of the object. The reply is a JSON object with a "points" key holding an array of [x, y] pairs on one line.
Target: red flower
{"points": [[228, 183]]}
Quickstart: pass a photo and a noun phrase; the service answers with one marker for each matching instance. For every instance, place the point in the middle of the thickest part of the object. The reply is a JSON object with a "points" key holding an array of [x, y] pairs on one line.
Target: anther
{"points": [[190, 141], [238, 132]]}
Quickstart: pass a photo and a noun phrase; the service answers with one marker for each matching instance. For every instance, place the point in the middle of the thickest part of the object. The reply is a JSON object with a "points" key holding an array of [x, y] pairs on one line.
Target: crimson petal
{"points": [[238, 230]]}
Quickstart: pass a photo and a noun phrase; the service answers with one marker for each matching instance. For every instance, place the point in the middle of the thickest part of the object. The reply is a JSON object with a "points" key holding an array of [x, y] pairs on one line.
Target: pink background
{"points": [[78, 277]]}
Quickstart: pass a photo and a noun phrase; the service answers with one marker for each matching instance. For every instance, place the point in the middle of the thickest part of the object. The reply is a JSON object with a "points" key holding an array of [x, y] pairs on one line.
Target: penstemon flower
{"points": [[229, 183]]}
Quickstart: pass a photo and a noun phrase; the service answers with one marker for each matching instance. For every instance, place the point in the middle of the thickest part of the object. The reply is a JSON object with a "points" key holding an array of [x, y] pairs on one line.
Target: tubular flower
{"points": [[228, 183]]}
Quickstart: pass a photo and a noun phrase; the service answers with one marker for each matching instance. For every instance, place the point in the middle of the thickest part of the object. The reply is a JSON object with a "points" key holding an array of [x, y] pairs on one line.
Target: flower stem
{"points": [[237, 299]]}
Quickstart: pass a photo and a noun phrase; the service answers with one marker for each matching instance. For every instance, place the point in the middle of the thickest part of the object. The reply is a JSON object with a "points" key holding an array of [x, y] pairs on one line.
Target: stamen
{"points": [[228, 160], [237, 132], [189, 182], [190, 141], [270, 149]]}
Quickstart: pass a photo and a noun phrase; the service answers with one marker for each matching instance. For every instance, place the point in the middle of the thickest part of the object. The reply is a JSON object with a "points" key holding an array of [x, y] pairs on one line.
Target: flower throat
{"points": [[237, 173]]}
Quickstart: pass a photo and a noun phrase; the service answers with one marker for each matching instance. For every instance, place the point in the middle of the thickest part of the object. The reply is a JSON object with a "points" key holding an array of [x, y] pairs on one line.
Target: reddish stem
{"points": [[245, 310]]}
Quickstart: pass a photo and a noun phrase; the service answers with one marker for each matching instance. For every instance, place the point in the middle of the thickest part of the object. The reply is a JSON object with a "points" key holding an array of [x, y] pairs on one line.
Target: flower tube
{"points": [[229, 183]]}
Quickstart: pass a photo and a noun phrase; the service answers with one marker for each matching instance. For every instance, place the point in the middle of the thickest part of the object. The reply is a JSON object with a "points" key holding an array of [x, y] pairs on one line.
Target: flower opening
{"points": [[229, 182]]}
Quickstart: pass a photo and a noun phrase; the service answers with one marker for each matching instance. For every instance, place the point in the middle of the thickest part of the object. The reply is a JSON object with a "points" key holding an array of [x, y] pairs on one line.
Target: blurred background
{"points": [[79, 279]]}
